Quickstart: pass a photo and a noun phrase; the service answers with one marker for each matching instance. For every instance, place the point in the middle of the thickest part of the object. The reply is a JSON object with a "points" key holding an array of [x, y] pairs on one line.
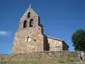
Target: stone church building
{"points": [[31, 38]]}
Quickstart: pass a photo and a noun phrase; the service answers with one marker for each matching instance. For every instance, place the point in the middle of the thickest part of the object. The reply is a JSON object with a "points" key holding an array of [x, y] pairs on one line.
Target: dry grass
{"points": [[64, 57], [45, 61]]}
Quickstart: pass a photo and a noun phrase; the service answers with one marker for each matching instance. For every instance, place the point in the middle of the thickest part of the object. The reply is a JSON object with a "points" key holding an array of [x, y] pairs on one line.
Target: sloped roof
{"points": [[55, 38], [31, 11]]}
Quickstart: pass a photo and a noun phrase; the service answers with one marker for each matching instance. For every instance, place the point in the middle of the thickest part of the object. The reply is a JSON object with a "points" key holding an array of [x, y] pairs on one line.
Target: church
{"points": [[30, 36]]}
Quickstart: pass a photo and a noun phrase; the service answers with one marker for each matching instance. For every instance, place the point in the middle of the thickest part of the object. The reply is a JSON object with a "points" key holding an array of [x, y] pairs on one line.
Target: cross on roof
{"points": [[30, 6]]}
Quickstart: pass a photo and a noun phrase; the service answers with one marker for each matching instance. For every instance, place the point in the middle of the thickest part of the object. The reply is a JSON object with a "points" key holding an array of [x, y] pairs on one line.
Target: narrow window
{"points": [[25, 24], [28, 39], [31, 23], [28, 15]]}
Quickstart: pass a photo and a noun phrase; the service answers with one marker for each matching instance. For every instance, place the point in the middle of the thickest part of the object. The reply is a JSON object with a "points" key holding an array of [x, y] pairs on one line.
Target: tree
{"points": [[78, 39]]}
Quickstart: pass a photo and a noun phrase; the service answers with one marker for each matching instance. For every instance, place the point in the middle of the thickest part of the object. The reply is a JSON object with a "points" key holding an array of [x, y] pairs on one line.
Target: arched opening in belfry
{"points": [[31, 23], [28, 15], [25, 24]]}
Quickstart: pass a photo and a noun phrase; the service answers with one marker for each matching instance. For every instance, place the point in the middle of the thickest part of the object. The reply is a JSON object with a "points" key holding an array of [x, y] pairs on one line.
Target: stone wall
{"points": [[28, 41], [59, 55], [56, 44], [65, 46]]}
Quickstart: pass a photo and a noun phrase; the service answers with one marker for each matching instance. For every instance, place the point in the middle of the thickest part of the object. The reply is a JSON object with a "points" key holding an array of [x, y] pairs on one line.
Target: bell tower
{"points": [[29, 19], [29, 36]]}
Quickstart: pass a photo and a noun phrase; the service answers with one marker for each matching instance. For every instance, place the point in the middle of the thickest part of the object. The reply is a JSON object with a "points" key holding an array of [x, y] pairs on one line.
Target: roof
{"points": [[55, 38], [30, 9]]}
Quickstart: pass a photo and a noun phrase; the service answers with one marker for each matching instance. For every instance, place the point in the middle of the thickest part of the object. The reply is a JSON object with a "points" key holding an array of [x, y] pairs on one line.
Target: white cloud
{"points": [[4, 33]]}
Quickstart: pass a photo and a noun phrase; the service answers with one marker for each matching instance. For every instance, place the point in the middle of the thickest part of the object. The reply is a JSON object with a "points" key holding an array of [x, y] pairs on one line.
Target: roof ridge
{"points": [[55, 38]]}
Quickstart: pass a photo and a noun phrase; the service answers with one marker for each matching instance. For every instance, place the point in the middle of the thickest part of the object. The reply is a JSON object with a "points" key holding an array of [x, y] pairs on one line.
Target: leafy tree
{"points": [[78, 39]]}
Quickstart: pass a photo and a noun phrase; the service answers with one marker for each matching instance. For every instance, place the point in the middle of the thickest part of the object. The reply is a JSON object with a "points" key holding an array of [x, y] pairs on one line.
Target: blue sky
{"points": [[60, 19]]}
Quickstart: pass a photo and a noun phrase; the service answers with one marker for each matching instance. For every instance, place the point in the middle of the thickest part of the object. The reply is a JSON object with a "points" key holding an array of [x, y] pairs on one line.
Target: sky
{"points": [[60, 18]]}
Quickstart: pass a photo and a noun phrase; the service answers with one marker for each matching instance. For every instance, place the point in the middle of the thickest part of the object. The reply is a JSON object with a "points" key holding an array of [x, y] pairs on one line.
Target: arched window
{"points": [[31, 23], [25, 24], [28, 15]]}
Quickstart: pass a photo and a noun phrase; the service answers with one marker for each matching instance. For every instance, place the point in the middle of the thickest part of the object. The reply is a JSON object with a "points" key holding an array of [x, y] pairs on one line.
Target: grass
{"points": [[41, 58], [44, 61]]}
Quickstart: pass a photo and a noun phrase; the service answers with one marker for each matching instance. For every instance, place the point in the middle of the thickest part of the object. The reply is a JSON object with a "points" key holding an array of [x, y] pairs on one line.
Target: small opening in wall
{"points": [[28, 15], [34, 40], [25, 24], [27, 38], [31, 23]]}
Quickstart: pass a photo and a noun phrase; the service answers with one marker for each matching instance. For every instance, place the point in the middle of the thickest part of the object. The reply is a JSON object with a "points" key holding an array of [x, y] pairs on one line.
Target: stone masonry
{"points": [[30, 37], [56, 44]]}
